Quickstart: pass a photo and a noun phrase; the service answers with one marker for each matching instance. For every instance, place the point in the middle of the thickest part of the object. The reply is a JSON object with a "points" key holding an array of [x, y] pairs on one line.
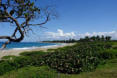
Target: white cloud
{"points": [[61, 35], [113, 34]]}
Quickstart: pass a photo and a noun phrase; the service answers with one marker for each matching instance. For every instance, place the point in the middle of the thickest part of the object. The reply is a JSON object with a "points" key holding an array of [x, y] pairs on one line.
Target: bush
{"points": [[17, 62], [75, 59], [35, 53], [9, 63], [106, 55], [81, 57], [6, 67]]}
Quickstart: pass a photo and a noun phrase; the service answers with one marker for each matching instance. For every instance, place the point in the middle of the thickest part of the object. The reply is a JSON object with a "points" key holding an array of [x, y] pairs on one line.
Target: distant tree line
{"points": [[96, 38], [62, 41], [85, 39]]}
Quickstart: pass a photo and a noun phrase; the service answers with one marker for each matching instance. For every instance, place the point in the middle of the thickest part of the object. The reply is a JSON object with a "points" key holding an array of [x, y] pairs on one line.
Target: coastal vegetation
{"points": [[108, 70], [85, 39], [84, 59]]}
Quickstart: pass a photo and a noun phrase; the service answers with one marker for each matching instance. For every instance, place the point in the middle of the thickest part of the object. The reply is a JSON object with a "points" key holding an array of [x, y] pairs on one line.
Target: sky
{"points": [[76, 19]]}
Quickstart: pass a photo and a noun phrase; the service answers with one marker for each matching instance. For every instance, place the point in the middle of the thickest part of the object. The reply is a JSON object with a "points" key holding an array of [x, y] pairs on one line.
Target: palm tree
{"points": [[87, 38], [98, 38], [102, 38], [93, 38], [108, 38]]}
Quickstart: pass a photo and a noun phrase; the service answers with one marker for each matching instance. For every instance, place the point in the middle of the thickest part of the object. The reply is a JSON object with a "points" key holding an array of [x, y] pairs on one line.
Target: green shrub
{"points": [[18, 62], [22, 62], [9, 57], [81, 57], [35, 53], [75, 59], [114, 47], [106, 55], [33, 72], [6, 67]]}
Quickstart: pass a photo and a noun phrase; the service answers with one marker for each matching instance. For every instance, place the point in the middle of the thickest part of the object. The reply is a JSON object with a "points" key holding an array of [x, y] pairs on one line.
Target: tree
{"points": [[93, 38], [98, 38], [87, 38], [108, 38], [102, 38], [13, 10]]}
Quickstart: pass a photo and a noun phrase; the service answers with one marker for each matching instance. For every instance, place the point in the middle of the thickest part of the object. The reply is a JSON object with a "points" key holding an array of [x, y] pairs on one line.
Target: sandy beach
{"points": [[17, 51]]}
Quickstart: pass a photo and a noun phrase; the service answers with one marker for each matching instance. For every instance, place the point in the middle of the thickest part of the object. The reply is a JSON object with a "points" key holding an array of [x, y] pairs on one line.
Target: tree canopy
{"points": [[14, 10]]}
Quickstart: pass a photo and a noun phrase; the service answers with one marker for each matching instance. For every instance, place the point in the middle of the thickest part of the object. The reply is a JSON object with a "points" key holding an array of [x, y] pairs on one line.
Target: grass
{"points": [[109, 70], [31, 72], [34, 72], [34, 53]]}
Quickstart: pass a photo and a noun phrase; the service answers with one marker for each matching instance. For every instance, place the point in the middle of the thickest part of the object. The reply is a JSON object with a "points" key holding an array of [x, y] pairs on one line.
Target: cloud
{"points": [[61, 35], [113, 34]]}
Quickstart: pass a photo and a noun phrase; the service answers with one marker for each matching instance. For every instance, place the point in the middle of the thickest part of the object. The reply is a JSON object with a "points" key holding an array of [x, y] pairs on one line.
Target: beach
{"points": [[17, 51]]}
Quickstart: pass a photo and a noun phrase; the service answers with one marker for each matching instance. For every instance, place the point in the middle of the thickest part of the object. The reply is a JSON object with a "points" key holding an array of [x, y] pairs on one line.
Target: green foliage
{"points": [[32, 72], [21, 62], [9, 57], [14, 63], [35, 57], [95, 38], [22, 8], [79, 58], [109, 70], [106, 55], [82, 57], [34, 53], [111, 52], [6, 67]]}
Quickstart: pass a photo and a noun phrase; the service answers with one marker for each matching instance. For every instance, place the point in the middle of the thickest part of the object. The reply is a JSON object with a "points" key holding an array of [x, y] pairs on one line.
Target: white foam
{"points": [[34, 47], [25, 48]]}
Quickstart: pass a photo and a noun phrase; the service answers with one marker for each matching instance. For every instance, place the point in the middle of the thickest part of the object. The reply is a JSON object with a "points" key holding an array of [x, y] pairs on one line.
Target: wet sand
{"points": [[16, 52]]}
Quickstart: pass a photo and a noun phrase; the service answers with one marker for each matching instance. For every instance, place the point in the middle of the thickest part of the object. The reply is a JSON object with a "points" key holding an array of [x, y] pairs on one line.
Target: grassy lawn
{"points": [[109, 70]]}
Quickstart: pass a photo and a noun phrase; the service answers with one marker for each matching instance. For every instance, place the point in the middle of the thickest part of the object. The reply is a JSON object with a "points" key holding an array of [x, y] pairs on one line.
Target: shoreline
{"points": [[17, 51]]}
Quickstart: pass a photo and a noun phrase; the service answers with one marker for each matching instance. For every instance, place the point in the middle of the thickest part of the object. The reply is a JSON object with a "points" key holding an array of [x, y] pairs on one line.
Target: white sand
{"points": [[17, 51]]}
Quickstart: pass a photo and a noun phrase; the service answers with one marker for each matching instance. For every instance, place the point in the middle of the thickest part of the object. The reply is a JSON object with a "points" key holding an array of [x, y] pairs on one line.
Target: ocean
{"points": [[28, 45]]}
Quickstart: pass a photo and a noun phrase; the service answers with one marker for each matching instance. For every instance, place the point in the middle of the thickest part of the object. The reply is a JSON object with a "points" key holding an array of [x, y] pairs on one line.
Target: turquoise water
{"points": [[27, 45]]}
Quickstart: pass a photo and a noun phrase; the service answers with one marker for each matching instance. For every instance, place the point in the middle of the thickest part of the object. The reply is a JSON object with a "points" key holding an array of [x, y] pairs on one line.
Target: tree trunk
{"points": [[4, 45]]}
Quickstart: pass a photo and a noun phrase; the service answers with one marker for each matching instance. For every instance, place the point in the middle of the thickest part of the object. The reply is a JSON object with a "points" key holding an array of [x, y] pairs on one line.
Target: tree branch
{"points": [[5, 37], [10, 39], [18, 28], [12, 10], [47, 19]]}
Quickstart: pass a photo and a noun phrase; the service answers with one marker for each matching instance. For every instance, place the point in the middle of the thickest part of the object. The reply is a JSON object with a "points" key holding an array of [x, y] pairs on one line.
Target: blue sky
{"points": [[76, 17]]}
